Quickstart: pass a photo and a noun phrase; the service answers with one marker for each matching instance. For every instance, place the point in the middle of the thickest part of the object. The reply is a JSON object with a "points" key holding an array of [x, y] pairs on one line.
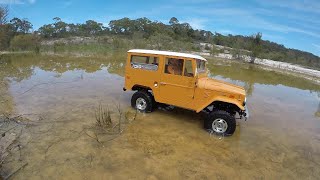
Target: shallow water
{"points": [[59, 94]]}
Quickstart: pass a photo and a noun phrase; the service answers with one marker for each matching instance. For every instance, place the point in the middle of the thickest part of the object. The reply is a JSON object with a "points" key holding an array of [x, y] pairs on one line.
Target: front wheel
{"points": [[220, 122], [142, 101]]}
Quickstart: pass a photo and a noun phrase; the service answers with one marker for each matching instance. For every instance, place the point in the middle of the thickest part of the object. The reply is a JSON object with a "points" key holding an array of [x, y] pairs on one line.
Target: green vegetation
{"points": [[126, 33], [25, 42], [255, 47]]}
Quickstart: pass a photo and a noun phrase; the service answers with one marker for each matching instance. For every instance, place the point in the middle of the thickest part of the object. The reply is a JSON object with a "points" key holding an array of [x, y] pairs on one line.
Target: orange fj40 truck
{"points": [[181, 80]]}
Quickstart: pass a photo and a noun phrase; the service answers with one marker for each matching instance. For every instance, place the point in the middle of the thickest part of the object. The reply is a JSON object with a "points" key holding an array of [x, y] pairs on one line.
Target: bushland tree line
{"points": [[18, 34]]}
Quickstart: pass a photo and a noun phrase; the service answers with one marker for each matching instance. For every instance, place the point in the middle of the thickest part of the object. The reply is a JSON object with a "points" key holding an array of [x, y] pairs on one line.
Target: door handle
{"points": [[163, 83]]}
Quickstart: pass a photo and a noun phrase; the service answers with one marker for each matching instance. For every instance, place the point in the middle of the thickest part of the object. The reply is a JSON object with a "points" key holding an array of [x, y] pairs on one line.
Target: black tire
{"points": [[219, 116], [148, 100]]}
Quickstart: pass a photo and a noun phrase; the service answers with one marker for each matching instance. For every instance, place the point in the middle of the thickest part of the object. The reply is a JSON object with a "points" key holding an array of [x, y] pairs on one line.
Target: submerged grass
{"points": [[105, 121], [103, 117]]}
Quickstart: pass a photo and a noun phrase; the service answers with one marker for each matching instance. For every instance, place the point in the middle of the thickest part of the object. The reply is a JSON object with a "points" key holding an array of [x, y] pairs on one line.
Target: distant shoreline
{"points": [[310, 74]]}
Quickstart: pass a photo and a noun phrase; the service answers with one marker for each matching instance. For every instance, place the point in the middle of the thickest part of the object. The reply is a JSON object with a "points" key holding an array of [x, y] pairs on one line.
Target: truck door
{"points": [[177, 82]]}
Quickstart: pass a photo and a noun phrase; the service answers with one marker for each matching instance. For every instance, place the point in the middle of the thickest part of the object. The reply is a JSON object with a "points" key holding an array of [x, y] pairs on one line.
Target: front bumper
{"points": [[245, 113]]}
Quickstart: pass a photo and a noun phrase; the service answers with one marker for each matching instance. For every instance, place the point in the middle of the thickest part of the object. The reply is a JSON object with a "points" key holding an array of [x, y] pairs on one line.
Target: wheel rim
{"points": [[219, 125], [141, 104]]}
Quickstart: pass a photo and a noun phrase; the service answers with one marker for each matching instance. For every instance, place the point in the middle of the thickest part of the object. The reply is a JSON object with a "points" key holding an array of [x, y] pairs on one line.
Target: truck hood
{"points": [[220, 86]]}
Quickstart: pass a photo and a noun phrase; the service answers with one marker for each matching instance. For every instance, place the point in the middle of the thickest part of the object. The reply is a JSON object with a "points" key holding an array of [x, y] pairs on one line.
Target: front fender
{"points": [[222, 99]]}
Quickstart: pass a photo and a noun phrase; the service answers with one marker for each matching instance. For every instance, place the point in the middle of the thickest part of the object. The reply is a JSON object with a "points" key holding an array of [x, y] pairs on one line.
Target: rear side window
{"points": [[145, 62]]}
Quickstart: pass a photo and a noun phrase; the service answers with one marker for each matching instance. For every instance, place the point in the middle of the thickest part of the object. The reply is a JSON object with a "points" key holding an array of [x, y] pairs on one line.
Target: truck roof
{"points": [[169, 53]]}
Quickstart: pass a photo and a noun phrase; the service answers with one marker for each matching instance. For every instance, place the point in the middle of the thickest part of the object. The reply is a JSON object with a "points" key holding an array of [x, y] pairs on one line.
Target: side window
{"points": [[201, 66], [174, 66], [144, 62], [188, 68]]}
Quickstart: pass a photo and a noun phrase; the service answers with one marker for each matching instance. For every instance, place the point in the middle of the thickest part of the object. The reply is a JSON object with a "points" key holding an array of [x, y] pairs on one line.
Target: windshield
{"points": [[201, 66]]}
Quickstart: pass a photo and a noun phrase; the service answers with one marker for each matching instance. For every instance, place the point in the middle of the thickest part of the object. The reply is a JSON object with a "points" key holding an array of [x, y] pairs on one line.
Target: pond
{"points": [[58, 95]]}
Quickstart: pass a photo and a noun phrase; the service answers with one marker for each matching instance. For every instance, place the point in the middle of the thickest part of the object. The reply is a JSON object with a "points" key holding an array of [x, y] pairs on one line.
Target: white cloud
{"points": [[11, 2], [252, 19], [196, 1], [308, 6], [17, 1], [259, 23], [196, 23], [273, 37], [66, 4], [219, 11], [316, 45], [300, 18], [225, 31]]}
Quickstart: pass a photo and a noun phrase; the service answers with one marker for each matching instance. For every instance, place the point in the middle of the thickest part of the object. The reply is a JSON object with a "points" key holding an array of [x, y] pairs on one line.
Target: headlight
{"points": [[245, 101]]}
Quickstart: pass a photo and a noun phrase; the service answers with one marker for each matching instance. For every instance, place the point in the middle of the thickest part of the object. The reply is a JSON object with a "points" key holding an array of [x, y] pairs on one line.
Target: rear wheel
{"points": [[142, 101], [220, 122]]}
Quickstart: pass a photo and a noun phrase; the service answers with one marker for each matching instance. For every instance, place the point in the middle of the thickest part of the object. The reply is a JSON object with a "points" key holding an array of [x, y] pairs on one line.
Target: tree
{"points": [[20, 26], [5, 29], [4, 12], [214, 50], [46, 30], [60, 28], [173, 21], [5, 36], [160, 41], [255, 46], [218, 39], [92, 27], [57, 19], [182, 31], [236, 49], [144, 26], [25, 42], [74, 29], [122, 26]]}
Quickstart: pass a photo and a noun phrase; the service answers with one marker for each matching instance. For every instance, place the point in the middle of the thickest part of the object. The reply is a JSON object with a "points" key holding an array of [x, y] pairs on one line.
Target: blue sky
{"points": [[296, 24]]}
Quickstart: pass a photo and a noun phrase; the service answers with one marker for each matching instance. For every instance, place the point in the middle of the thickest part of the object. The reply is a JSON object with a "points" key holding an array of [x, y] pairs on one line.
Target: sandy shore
{"points": [[278, 64], [311, 73]]}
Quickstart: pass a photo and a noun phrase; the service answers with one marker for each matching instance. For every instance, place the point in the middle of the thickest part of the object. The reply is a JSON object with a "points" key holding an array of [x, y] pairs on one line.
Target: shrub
{"points": [[118, 43], [5, 36], [207, 47], [25, 42], [160, 41], [58, 46], [214, 50], [139, 41]]}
